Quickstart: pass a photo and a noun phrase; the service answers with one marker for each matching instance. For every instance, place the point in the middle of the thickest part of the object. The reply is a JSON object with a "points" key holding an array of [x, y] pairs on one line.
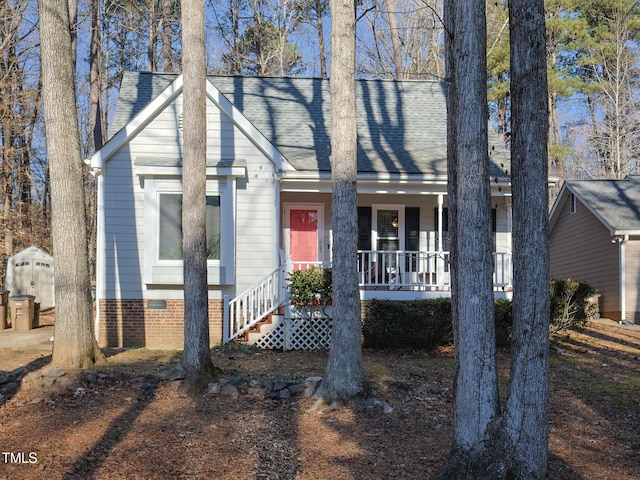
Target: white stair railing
{"points": [[254, 304]]}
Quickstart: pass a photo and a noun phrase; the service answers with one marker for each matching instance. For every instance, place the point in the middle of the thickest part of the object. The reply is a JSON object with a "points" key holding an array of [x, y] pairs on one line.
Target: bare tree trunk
{"points": [[476, 401], [196, 357], [528, 403], [75, 345], [476, 393], [487, 444], [154, 37], [95, 75], [320, 9], [344, 376], [395, 40], [7, 183], [168, 54], [73, 22]]}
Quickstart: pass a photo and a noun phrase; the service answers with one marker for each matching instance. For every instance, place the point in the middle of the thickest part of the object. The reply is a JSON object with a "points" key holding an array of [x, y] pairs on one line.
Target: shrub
{"points": [[402, 324], [502, 308], [310, 286], [573, 304], [310, 290]]}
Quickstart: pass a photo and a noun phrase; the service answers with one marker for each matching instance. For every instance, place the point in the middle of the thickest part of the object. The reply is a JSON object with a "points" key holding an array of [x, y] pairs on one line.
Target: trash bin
{"points": [[22, 310], [4, 298]]}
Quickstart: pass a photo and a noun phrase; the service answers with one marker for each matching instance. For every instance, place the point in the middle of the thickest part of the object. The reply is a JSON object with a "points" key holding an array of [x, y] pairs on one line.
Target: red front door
{"points": [[303, 235]]}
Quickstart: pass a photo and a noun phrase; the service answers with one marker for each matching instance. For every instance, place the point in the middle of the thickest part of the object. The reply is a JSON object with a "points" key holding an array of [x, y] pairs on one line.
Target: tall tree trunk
{"points": [[95, 75], [168, 53], [395, 40], [476, 393], [476, 401], [196, 357], [154, 37], [75, 345], [489, 444], [528, 403], [344, 376], [7, 180], [73, 22], [320, 9]]}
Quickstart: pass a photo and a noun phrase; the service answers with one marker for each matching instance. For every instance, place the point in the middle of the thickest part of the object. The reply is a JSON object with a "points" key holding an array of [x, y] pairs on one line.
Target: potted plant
{"points": [[310, 291]]}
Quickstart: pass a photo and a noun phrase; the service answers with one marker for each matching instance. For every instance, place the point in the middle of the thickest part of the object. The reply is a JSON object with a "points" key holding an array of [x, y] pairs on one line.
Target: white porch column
{"points": [[440, 260], [509, 262]]}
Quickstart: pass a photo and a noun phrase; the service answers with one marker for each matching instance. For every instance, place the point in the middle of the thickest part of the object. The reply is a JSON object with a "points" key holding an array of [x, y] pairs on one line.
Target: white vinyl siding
{"points": [[254, 204]]}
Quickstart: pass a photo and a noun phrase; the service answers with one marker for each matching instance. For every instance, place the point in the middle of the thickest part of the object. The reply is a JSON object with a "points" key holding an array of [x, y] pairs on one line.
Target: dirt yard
{"points": [[125, 421]]}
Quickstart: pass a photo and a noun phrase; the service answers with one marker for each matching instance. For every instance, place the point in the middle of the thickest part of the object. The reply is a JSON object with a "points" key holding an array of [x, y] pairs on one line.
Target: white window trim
{"points": [[374, 223], [287, 207], [170, 272]]}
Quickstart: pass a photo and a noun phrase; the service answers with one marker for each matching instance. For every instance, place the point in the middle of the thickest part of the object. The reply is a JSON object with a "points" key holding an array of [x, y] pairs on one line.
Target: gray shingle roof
{"points": [[401, 125], [617, 202]]}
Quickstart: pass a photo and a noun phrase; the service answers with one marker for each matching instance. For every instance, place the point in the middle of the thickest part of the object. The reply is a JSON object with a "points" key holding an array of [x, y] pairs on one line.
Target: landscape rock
{"points": [[284, 394], [10, 388], [229, 390], [53, 372], [176, 373], [296, 388]]}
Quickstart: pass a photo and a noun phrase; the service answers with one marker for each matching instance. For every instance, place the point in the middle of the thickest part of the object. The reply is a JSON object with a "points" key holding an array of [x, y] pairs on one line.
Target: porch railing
{"points": [[254, 304], [413, 270]]}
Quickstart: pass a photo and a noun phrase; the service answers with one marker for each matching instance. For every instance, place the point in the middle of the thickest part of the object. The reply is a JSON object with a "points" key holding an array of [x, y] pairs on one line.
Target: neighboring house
{"points": [[269, 199], [594, 232]]}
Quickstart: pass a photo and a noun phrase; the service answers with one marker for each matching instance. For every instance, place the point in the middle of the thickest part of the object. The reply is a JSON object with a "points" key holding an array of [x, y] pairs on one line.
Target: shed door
{"points": [[34, 277], [23, 283], [42, 277]]}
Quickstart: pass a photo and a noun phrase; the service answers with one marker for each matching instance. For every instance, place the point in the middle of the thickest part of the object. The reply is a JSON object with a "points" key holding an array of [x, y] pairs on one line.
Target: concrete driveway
{"points": [[36, 339]]}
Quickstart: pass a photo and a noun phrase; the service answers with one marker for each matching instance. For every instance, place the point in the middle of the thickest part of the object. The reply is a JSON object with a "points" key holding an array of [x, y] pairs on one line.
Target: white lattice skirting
{"points": [[297, 334]]}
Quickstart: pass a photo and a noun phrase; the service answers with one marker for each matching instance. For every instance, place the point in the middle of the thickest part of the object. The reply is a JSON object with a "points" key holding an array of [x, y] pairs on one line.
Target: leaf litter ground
{"points": [[117, 429]]}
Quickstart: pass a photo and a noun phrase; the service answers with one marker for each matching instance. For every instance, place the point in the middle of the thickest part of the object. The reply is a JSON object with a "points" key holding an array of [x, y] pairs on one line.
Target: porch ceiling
{"points": [[320, 182]]}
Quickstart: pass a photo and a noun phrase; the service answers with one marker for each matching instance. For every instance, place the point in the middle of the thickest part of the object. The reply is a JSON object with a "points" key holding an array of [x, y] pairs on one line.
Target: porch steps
{"points": [[262, 328]]}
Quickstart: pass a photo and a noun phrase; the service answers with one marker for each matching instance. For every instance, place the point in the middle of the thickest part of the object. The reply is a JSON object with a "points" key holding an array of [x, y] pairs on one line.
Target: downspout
{"points": [[623, 280], [100, 250]]}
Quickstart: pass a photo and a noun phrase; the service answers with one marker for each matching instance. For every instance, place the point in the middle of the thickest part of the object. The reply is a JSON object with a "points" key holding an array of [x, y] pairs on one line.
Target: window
{"points": [[170, 234], [572, 203], [163, 231]]}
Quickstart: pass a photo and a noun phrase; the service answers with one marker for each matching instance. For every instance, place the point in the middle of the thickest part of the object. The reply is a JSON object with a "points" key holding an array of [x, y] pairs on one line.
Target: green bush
{"points": [[573, 304], [428, 323], [502, 312], [407, 324], [312, 286]]}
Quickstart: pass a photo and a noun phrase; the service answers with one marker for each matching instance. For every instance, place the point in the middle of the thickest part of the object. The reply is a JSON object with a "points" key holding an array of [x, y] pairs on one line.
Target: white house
{"points": [[269, 199]]}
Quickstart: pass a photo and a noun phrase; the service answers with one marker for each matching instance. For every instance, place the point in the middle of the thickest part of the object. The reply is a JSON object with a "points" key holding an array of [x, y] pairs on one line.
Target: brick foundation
{"points": [[151, 323]]}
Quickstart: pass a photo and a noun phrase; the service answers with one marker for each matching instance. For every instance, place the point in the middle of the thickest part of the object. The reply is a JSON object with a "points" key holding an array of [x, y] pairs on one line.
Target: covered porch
{"points": [[403, 234], [412, 271]]}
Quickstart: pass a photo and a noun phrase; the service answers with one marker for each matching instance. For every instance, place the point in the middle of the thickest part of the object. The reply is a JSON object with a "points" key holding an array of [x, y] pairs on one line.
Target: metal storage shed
{"points": [[30, 272]]}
